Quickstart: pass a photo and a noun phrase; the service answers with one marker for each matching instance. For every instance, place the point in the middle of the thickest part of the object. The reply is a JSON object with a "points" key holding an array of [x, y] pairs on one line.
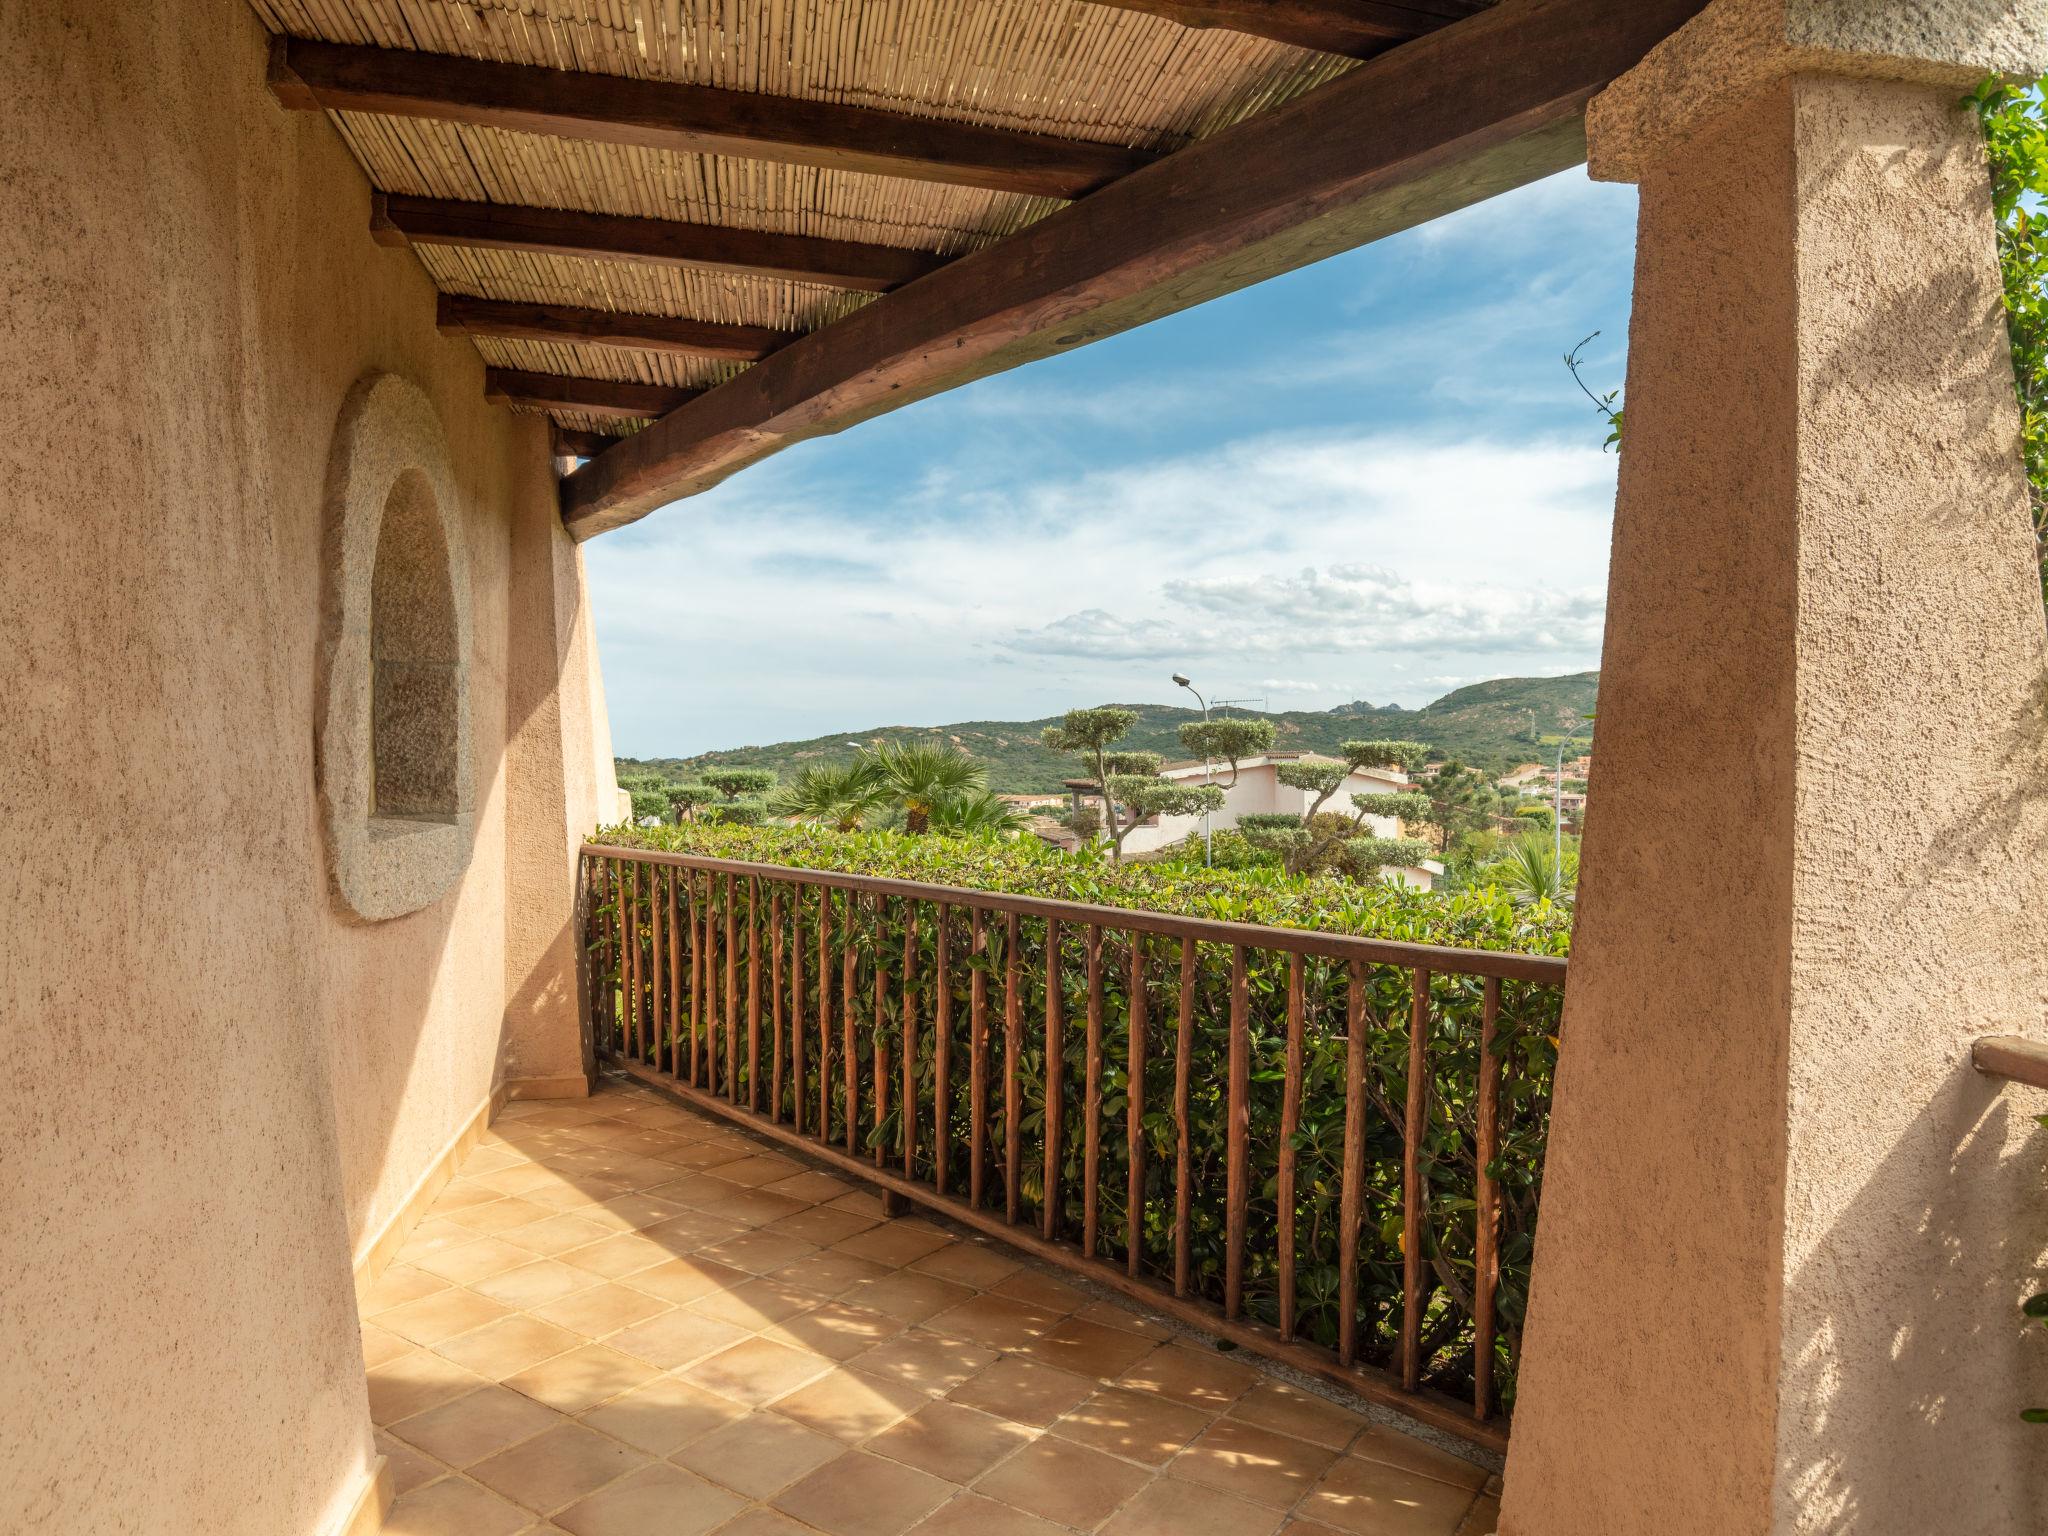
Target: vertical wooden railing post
{"points": [[849, 1046], [1486, 1236], [824, 1013], [1134, 1115], [977, 1064], [1091, 1102], [942, 1055], [675, 971], [775, 1012], [878, 1031], [700, 925], [1183, 1172], [1237, 1152], [629, 908], [1055, 1079], [753, 993], [1351, 1197], [732, 991], [1290, 1126], [799, 1097], [651, 1047], [906, 1009], [1412, 1192], [1013, 1047]]}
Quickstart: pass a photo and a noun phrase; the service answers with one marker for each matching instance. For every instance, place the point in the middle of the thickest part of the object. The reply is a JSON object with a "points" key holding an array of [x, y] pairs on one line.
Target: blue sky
{"points": [[1369, 479]]}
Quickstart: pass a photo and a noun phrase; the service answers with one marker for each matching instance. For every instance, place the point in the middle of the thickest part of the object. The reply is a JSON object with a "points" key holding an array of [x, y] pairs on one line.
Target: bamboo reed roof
{"points": [[1094, 73]]}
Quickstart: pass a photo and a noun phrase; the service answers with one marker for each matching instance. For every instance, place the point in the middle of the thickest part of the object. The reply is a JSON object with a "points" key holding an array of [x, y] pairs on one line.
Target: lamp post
{"points": [[1208, 776]]}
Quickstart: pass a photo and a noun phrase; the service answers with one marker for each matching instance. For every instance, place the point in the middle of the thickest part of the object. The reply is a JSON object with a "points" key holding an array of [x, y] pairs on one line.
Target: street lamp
{"points": [[1208, 776]]}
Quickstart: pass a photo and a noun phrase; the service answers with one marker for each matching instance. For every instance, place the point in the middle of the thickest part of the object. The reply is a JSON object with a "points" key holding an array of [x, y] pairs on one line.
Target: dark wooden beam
{"points": [[458, 315], [691, 119], [592, 397], [1467, 112], [1358, 28], [574, 443], [396, 219]]}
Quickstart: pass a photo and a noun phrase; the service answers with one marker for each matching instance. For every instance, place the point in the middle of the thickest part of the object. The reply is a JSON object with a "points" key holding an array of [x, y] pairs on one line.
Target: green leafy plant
{"points": [[1231, 740], [1126, 783], [921, 778], [1610, 412], [1524, 1040]]}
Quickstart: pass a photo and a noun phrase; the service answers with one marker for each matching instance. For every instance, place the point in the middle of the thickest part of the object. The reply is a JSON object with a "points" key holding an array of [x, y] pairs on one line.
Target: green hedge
{"points": [[1526, 1042]]}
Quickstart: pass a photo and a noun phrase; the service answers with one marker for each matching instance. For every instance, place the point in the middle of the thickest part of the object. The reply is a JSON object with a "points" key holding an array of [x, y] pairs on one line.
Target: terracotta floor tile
{"points": [[407, 1467], [906, 1295], [761, 1168], [1042, 1290], [849, 1405], [1292, 1411], [582, 1378], [693, 1231], [508, 1346], [819, 1226], [830, 1272], [759, 1252], [684, 1279], [970, 1263], [454, 1507], [862, 1495], [461, 1194], [677, 1338], [751, 1207], [1064, 1482], [1024, 1390], [553, 1236], [834, 1329], [895, 1243], [1115, 1315], [994, 1321], [398, 1285], [534, 1283], [476, 1261], [756, 1303], [757, 1371], [949, 1441], [440, 1316], [758, 1456], [1253, 1463], [414, 1383], [1395, 1449], [1370, 1498], [602, 1309], [933, 1364], [658, 1500], [567, 1196], [969, 1514], [380, 1346], [1201, 1379], [475, 1425], [812, 1184], [1134, 1425], [567, 1463], [618, 1256], [664, 1415], [499, 1215], [434, 1235], [763, 1521], [631, 1212], [1169, 1507], [1089, 1349]]}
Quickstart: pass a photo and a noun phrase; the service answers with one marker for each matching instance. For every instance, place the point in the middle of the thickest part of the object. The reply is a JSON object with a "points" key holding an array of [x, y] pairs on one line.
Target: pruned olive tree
{"points": [[1127, 783], [687, 799], [1316, 838], [741, 788], [1229, 741]]}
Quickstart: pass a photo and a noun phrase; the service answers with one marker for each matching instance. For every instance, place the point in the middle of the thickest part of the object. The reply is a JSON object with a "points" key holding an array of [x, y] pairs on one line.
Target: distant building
{"points": [[1523, 776]]}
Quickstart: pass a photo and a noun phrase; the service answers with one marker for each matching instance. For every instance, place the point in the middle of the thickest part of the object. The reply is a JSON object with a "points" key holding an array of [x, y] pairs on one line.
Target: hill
{"points": [[1494, 724]]}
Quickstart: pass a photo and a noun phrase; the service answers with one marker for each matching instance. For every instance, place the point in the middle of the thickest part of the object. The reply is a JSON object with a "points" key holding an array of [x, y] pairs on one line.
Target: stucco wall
{"points": [[216, 1086]]}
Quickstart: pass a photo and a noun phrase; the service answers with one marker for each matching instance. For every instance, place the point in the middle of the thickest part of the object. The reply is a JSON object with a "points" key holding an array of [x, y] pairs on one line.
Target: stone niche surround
{"points": [[392, 741]]}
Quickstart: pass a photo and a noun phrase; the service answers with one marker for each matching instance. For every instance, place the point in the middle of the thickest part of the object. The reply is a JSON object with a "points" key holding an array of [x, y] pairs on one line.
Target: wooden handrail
{"points": [[2013, 1057], [1508, 965], [675, 945]]}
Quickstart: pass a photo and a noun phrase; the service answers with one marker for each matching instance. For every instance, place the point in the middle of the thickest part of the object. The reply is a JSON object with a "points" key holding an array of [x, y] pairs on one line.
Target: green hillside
{"points": [[1495, 724]]}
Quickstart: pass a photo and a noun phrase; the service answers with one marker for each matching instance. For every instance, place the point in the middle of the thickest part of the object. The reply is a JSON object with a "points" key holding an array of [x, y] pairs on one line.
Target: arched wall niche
{"points": [[392, 742]]}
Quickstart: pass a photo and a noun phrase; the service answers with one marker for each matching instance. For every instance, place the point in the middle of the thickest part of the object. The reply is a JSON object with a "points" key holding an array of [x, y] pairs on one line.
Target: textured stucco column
{"points": [[559, 785], [1786, 1228]]}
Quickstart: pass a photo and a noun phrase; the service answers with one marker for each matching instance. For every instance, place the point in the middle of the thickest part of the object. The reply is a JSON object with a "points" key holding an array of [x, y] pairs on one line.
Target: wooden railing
{"points": [[1070, 1077]]}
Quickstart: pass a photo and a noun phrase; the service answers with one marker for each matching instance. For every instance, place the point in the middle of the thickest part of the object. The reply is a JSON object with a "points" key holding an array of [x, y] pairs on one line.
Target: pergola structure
{"points": [[765, 225], [310, 728]]}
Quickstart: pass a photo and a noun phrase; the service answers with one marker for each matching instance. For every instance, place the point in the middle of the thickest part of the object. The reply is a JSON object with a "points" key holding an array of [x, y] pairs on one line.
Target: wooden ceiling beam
{"points": [[574, 443], [1465, 113], [459, 315], [689, 119], [1357, 28], [592, 397], [398, 219]]}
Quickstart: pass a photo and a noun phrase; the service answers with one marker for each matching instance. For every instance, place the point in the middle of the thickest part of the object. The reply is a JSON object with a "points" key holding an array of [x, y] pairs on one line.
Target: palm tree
{"points": [[979, 814], [1528, 872], [921, 778], [839, 795]]}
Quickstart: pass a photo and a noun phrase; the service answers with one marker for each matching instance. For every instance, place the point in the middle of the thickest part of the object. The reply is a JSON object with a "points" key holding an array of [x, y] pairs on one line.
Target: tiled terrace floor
{"points": [[624, 1318]]}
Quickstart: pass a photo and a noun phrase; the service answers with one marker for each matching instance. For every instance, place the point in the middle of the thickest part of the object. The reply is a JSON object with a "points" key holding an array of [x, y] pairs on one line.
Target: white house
{"points": [[1258, 791]]}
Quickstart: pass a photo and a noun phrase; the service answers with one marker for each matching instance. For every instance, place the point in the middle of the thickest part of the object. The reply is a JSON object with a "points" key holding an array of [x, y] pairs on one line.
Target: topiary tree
{"points": [[648, 802], [1372, 857], [1127, 783], [1316, 839], [1230, 740], [735, 782], [686, 799], [738, 813]]}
